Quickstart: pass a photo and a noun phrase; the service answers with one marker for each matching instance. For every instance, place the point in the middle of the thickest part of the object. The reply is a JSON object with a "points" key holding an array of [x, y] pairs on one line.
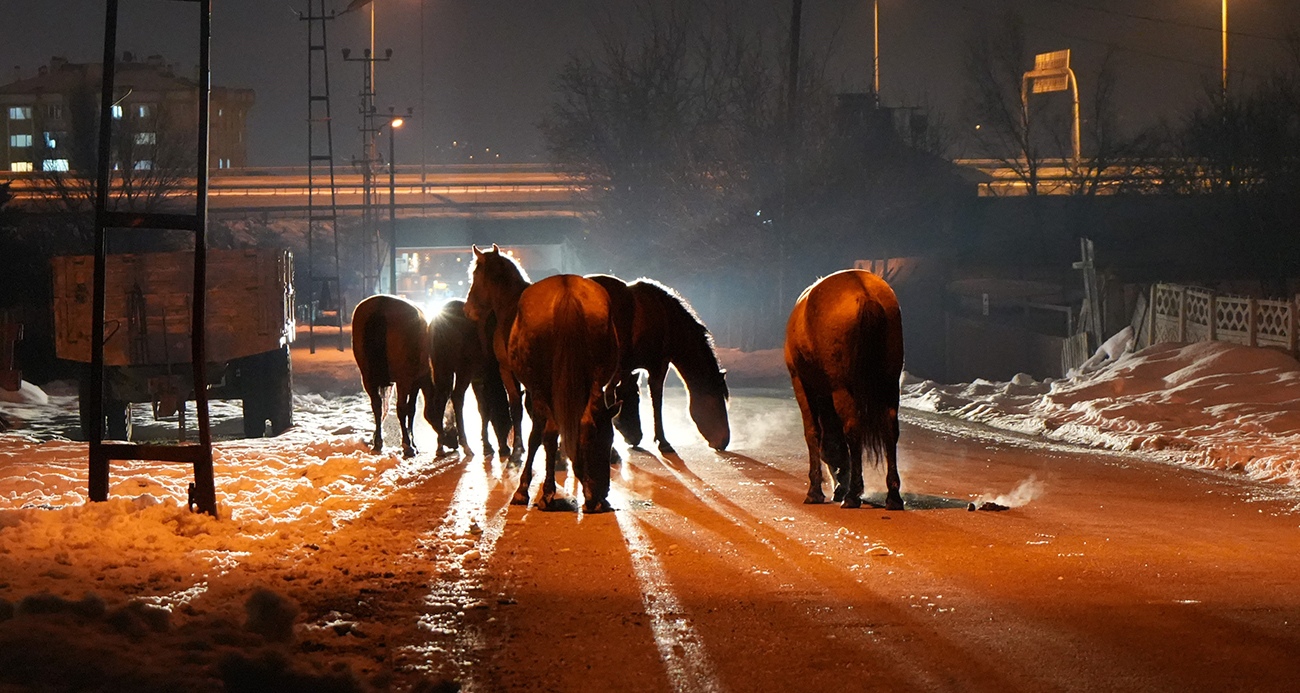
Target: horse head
{"points": [[709, 412], [496, 280]]}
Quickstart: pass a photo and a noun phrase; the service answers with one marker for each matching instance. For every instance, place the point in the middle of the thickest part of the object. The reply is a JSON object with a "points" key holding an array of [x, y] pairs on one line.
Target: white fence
{"points": [[1189, 314]]}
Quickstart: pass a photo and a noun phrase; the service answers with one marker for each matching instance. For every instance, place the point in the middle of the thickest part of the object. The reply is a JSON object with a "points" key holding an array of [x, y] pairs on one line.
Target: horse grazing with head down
{"points": [[389, 344], [844, 349], [460, 360], [564, 351], [496, 283], [660, 329]]}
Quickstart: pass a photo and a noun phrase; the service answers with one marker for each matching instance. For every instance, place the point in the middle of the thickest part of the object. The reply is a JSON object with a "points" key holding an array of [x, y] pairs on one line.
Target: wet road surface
{"points": [[1117, 573]]}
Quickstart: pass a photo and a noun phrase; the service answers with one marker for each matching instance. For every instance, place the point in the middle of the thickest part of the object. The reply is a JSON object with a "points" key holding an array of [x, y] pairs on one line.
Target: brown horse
{"points": [[662, 328], [564, 351], [496, 283], [460, 360], [389, 344], [844, 349]]}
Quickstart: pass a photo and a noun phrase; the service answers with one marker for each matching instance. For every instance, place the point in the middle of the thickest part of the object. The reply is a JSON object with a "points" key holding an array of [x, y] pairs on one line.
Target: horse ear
{"points": [[478, 254], [496, 249]]}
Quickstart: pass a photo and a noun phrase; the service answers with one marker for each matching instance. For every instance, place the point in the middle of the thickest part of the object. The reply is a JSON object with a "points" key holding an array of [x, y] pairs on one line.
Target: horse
{"points": [[460, 360], [389, 344], [844, 350], [664, 329], [496, 283], [564, 350]]}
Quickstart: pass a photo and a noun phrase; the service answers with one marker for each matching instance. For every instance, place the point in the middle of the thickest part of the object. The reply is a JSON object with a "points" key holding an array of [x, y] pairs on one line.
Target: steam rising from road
{"points": [[1025, 491]]}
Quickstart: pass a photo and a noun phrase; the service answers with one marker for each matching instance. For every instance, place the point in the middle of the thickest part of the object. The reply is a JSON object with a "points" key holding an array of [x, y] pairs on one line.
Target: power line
{"points": [[1171, 22]]}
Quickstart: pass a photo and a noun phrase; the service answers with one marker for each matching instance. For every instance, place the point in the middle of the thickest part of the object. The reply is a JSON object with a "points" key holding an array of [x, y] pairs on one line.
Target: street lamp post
{"points": [[394, 121], [1225, 50]]}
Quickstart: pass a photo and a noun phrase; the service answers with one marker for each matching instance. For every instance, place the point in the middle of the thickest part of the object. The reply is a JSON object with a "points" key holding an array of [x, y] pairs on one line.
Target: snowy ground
{"points": [[1209, 405]]}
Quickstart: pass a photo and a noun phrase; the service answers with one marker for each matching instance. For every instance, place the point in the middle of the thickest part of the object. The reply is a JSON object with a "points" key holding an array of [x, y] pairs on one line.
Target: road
{"points": [[1118, 575]]}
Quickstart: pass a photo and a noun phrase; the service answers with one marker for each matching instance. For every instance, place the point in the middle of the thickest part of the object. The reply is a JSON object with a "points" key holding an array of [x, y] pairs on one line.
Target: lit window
{"points": [[144, 165], [50, 140], [144, 110], [54, 165], [21, 167], [117, 112], [20, 140], [146, 138], [20, 113]]}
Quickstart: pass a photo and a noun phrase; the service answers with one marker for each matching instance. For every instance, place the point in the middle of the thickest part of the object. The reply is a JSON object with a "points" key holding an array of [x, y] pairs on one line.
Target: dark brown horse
{"points": [[389, 344], [564, 351], [664, 329], [460, 360], [844, 349], [496, 282]]}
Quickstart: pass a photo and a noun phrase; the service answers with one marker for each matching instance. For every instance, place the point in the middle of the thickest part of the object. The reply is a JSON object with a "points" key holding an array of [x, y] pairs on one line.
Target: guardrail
{"points": [[1191, 314]]}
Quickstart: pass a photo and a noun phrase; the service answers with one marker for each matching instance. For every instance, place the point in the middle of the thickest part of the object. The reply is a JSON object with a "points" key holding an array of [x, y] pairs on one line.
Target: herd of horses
{"points": [[566, 350]]}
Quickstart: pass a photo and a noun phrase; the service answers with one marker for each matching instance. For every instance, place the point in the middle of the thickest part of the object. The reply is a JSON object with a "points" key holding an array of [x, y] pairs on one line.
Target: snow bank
{"points": [[26, 393], [1208, 405]]}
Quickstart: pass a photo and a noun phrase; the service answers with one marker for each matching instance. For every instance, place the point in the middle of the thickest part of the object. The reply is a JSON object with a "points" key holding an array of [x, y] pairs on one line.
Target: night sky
{"points": [[488, 65]]}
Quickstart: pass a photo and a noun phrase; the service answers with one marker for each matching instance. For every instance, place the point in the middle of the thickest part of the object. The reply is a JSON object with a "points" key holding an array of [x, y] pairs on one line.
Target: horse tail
{"points": [[375, 342], [570, 374], [875, 392]]}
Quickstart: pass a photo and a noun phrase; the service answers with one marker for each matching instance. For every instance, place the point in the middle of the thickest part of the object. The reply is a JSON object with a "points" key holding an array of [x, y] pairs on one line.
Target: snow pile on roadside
{"points": [[272, 494], [1208, 404]]}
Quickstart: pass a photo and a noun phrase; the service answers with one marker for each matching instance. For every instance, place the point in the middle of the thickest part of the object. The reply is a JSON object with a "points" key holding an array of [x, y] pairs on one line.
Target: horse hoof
{"points": [[812, 499], [519, 499], [554, 505], [851, 502], [666, 449], [600, 506], [408, 453], [839, 494], [894, 503]]}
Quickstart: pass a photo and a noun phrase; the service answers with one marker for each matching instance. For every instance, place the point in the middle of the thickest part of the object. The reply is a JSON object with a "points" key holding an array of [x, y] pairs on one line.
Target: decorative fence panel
{"points": [[1191, 314]]}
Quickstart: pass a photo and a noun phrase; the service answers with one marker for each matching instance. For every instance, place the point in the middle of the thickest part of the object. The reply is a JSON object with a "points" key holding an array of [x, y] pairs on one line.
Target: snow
{"points": [[1210, 405]]}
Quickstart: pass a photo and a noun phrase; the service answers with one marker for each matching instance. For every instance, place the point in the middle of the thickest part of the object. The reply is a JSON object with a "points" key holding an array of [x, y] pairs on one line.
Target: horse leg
{"points": [[458, 411], [657, 403], [516, 414], [893, 499], [812, 436], [551, 440], [628, 421], [435, 406], [406, 398], [379, 407], [526, 475], [851, 424]]}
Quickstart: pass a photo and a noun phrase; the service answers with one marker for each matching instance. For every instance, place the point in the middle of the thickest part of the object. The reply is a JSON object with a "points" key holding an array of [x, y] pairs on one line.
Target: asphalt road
{"points": [[1117, 574]]}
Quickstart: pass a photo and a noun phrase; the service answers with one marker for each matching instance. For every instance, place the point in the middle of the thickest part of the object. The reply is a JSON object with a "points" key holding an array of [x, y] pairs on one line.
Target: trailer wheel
{"points": [[268, 392], [117, 419]]}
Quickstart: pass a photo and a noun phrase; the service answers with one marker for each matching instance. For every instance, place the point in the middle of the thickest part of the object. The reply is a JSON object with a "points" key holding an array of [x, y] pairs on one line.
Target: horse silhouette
{"points": [[390, 346], [844, 350], [563, 349], [460, 360], [496, 283], [656, 327]]}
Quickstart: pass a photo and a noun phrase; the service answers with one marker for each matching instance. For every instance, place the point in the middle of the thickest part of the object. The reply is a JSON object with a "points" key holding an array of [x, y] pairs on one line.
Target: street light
{"points": [[394, 122]]}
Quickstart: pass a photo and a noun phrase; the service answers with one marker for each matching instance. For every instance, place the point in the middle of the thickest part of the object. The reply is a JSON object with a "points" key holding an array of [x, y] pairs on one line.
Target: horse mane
{"points": [[682, 316]]}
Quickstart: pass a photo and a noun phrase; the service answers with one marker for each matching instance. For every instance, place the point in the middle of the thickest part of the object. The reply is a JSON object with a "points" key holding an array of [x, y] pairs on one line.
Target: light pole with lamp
{"points": [[394, 121]]}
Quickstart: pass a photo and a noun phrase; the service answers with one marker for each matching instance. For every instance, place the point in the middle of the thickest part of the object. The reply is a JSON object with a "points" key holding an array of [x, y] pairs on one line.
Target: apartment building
{"points": [[49, 122]]}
